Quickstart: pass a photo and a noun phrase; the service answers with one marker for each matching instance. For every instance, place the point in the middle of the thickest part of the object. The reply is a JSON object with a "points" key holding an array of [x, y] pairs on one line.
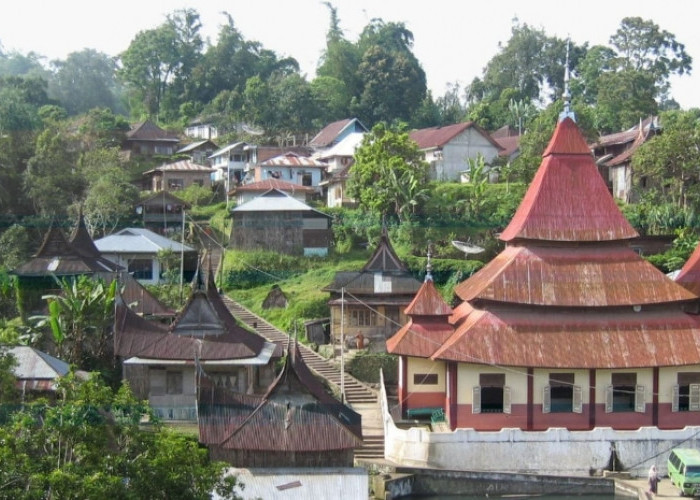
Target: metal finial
{"points": [[429, 266], [567, 113]]}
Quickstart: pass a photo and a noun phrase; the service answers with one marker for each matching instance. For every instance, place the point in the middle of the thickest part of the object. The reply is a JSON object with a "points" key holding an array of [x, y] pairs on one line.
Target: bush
{"points": [[365, 367]]}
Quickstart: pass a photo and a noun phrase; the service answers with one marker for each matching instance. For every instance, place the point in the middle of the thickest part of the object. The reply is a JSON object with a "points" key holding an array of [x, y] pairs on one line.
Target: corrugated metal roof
{"points": [[230, 147], [195, 145], [295, 415], [267, 184], [275, 200], [149, 131], [181, 166], [138, 240], [571, 276], [35, 364], [435, 137], [428, 302], [290, 159], [327, 136], [140, 300], [596, 338], [420, 337], [689, 276], [384, 257], [362, 283], [568, 200]]}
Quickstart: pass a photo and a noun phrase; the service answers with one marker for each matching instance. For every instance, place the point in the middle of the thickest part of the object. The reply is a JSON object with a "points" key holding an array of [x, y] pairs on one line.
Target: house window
{"points": [[491, 395], [624, 395], [141, 269], [174, 184], [425, 379], [561, 395], [173, 383], [686, 394], [306, 180], [362, 317], [164, 150]]}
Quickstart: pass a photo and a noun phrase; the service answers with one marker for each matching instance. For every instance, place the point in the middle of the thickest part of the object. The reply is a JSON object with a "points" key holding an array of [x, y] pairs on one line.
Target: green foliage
{"points": [[80, 320], [365, 366], [8, 389], [681, 249], [352, 227], [196, 195], [389, 173], [90, 445], [14, 246]]}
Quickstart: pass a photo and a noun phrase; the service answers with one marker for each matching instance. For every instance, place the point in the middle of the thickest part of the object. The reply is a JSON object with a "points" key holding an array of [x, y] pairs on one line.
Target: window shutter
{"points": [[609, 399], [506, 400], [639, 400], [694, 397], [676, 397], [577, 405], [546, 399], [476, 399]]}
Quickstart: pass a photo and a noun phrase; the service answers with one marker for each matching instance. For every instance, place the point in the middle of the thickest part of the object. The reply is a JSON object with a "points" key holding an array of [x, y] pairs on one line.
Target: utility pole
{"points": [[342, 345]]}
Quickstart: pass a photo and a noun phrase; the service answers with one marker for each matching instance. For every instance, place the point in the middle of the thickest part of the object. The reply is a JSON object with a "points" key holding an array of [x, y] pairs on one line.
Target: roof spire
{"points": [[429, 266], [567, 113]]}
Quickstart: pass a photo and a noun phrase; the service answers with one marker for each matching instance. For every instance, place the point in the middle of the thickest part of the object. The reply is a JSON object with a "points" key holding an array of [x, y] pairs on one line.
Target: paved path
{"points": [[665, 489]]}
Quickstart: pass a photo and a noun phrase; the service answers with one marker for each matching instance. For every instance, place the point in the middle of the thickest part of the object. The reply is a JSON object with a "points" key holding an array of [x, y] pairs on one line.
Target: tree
{"points": [[90, 445], [80, 318], [8, 388], [85, 80], [389, 173], [341, 57], [668, 163]]}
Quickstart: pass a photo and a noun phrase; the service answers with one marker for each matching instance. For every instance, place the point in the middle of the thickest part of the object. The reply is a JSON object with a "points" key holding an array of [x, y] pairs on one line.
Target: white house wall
{"points": [[455, 154], [541, 379], [468, 377]]}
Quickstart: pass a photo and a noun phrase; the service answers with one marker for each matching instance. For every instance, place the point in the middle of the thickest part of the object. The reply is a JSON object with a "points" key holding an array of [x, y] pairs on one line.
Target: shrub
{"points": [[365, 367]]}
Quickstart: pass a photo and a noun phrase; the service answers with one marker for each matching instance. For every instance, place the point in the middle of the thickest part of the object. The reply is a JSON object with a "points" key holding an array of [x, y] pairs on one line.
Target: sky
{"points": [[453, 39]]}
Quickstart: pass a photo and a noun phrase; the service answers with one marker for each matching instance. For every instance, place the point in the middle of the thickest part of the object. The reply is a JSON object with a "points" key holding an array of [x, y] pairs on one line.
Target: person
{"points": [[653, 480]]}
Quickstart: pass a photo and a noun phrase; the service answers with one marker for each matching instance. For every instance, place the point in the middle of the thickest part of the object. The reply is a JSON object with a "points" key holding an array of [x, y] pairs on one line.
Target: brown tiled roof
{"points": [[435, 137], [568, 200], [149, 131], [571, 276], [509, 144]]}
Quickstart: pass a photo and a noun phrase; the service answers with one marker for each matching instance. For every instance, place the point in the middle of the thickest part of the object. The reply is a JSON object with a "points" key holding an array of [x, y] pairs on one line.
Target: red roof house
{"points": [[567, 327]]}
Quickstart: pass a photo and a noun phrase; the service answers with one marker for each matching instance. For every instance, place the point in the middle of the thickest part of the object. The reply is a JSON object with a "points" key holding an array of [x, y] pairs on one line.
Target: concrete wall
{"points": [[554, 451], [455, 155]]}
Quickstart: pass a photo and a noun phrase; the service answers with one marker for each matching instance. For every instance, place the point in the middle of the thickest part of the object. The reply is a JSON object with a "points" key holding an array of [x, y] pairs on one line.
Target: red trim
{"points": [[403, 384], [655, 397], [530, 395], [452, 396], [591, 399]]}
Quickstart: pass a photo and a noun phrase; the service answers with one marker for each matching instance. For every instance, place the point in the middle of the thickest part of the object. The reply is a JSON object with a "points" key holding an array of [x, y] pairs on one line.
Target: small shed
{"points": [[276, 221], [275, 299]]}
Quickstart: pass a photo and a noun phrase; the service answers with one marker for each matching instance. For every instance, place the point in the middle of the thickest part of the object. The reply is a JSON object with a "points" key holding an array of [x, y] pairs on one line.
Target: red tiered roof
{"points": [[689, 277], [568, 199]]}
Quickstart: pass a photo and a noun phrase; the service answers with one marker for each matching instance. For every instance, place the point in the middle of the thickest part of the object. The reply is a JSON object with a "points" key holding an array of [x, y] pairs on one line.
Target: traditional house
{"points": [[340, 159], [162, 212], [247, 192], [139, 251], [141, 301], [335, 132], [448, 149], [276, 221], [296, 423], [614, 153], [58, 257], [147, 138], [162, 363], [199, 152], [179, 175], [566, 328], [290, 167], [371, 302]]}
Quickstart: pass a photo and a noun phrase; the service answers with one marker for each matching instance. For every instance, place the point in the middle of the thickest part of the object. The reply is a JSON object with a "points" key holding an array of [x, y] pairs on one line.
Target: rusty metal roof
{"points": [[267, 184], [542, 337], [329, 134], [149, 131], [140, 300], [585, 275], [435, 137], [181, 166], [689, 276], [568, 200], [290, 159], [428, 302], [296, 414]]}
